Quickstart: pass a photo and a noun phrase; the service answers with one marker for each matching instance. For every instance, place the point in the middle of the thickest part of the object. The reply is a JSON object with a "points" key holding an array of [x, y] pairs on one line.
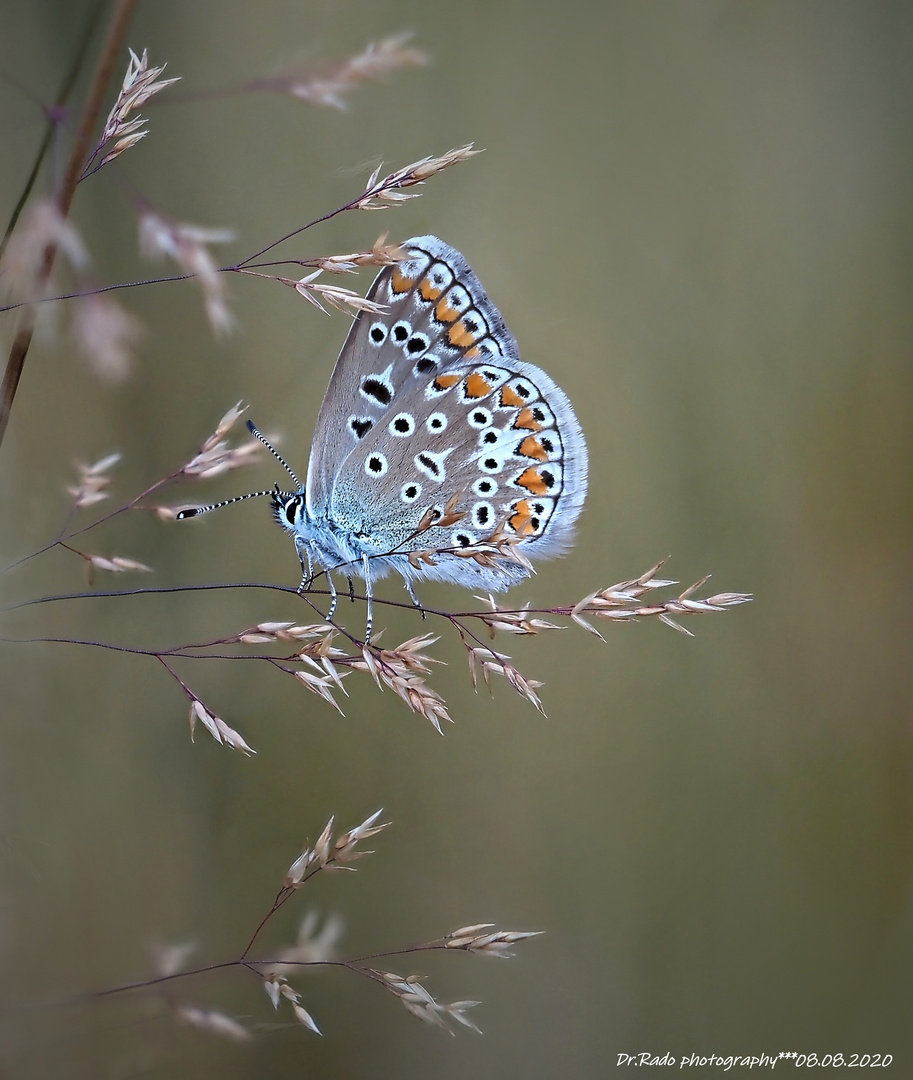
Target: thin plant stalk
{"points": [[123, 12], [53, 115]]}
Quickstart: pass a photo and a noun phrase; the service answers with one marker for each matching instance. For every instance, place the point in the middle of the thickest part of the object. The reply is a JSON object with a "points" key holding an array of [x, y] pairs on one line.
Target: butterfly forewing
{"points": [[381, 355], [432, 401]]}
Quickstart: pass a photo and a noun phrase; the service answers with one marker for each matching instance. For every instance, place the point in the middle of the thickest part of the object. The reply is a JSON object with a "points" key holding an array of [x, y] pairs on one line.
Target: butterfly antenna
{"points": [[195, 511], [251, 427]]}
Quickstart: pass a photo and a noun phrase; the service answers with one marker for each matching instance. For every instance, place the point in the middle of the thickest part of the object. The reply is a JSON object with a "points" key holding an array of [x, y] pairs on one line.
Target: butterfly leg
{"points": [[415, 600], [307, 568], [351, 588], [334, 599], [369, 593]]}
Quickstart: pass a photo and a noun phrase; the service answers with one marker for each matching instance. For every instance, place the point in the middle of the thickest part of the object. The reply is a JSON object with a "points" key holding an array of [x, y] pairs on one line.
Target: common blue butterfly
{"points": [[431, 413]]}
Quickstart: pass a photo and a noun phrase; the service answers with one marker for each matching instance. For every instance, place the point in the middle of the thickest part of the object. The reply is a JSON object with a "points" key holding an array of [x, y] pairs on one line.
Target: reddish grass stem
{"points": [[23, 339]]}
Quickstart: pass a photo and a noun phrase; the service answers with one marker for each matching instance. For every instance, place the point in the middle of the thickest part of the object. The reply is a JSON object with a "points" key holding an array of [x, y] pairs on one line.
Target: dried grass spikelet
{"points": [[140, 83], [489, 551], [420, 556], [210, 1020], [116, 564], [619, 602], [317, 652], [500, 544], [41, 227], [434, 517], [345, 845], [216, 456], [402, 670], [381, 193], [93, 480], [450, 515], [495, 663], [186, 245], [372, 64], [323, 686], [414, 997], [328, 854], [315, 944], [381, 254], [499, 943], [513, 622], [217, 728], [335, 295], [278, 989], [266, 632], [169, 959], [106, 334]]}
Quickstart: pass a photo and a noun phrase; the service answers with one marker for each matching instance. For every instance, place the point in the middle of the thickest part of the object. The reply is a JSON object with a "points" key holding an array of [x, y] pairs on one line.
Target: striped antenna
{"points": [[195, 511], [258, 435]]}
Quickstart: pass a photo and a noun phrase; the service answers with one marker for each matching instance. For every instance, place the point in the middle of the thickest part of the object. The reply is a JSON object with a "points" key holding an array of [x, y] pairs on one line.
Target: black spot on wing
{"points": [[378, 390], [360, 426]]}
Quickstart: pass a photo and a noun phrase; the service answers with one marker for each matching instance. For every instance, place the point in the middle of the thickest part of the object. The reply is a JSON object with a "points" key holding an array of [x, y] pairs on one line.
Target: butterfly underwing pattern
{"points": [[430, 407]]}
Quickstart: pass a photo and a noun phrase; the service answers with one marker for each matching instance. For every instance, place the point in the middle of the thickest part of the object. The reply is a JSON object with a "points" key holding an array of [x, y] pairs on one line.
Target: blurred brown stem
{"points": [[23, 339], [53, 118]]}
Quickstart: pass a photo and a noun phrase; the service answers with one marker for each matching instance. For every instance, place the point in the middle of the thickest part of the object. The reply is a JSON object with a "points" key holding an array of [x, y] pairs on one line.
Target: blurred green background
{"points": [[696, 217]]}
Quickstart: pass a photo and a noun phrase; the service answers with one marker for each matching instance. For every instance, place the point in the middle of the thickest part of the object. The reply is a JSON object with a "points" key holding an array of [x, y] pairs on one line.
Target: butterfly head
{"points": [[288, 507]]}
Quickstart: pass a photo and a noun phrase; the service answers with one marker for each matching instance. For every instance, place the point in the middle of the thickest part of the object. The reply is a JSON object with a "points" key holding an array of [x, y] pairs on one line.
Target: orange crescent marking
{"points": [[532, 481], [476, 386], [531, 447], [444, 382], [511, 398], [528, 421], [460, 336], [444, 312], [521, 522], [400, 282], [471, 354], [429, 290]]}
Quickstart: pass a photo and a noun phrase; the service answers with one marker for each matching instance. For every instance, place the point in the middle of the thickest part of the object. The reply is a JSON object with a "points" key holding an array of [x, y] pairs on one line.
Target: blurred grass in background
{"points": [[696, 218]]}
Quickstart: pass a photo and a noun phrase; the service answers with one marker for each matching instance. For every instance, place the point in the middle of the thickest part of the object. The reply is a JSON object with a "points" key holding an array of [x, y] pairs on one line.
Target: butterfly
{"points": [[438, 452]]}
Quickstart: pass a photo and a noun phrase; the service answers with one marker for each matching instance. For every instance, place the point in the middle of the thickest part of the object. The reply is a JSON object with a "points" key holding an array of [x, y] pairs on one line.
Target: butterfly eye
{"points": [[287, 508]]}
